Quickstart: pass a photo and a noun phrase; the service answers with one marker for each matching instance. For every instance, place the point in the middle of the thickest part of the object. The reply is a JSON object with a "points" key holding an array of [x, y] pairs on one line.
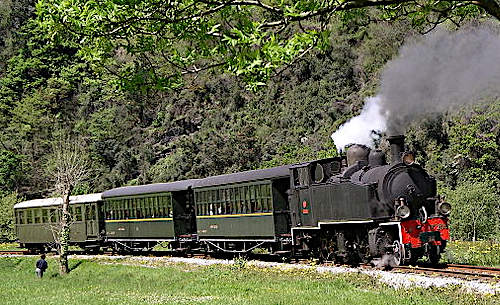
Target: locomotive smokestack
{"points": [[397, 147]]}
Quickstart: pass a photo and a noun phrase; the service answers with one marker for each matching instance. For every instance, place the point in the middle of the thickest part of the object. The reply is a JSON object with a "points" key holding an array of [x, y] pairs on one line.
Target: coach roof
{"points": [[150, 188], [253, 175], [58, 201]]}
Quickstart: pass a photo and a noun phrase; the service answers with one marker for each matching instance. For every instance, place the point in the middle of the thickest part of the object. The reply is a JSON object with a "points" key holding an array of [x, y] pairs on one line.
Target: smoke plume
{"points": [[441, 70], [360, 129]]}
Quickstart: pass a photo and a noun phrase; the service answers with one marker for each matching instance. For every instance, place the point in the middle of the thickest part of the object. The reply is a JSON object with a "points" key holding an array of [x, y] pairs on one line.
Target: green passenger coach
{"points": [[37, 222], [138, 217], [236, 212]]}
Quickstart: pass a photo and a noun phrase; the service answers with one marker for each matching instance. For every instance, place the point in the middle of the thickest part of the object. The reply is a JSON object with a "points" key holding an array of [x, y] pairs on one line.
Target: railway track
{"points": [[462, 271], [14, 252]]}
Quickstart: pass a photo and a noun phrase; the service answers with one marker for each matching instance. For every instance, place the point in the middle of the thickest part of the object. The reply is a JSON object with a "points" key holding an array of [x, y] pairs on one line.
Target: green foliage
{"points": [[10, 171], [7, 202], [475, 214], [247, 38]]}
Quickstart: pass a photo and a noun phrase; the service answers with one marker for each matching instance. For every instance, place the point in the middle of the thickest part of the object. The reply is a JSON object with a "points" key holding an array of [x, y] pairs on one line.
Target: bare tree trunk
{"points": [[64, 235]]}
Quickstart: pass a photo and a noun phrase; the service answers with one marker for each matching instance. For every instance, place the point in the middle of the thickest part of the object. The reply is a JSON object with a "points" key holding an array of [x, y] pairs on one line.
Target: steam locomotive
{"points": [[349, 209]]}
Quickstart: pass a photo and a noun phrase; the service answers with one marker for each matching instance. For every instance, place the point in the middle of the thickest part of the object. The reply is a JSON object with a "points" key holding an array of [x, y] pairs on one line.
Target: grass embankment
{"points": [[108, 282], [480, 253]]}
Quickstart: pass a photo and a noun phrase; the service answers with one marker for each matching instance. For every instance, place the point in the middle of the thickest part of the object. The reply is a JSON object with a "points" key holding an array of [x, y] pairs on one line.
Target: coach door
{"points": [[91, 219]]}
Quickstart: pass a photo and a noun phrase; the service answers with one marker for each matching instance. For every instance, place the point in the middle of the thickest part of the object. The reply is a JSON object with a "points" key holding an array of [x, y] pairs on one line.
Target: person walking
{"points": [[41, 266]]}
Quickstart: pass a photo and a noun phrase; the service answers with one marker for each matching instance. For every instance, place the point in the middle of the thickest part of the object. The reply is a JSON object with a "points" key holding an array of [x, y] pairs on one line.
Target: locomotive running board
{"points": [[327, 223]]}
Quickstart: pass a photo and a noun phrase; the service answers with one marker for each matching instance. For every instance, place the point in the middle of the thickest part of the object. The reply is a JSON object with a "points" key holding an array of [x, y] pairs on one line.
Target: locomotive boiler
{"points": [[368, 210]]}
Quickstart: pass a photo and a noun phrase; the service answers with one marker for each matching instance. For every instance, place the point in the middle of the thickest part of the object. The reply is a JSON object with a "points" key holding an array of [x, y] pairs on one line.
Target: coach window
{"points": [[218, 205], [29, 218], [157, 205], [227, 201], [206, 202], [260, 200], [37, 216], [158, 202], [235, 200], [154, 209], [197, 203], [142, 206], [130, 208], [221, 204], [78, 213], [253, 199], [150, 203], [200, 202], [45, 215], [232, 201], [20, 215], [137, 204], [147, 206], [164, 202], [160, 206], [215, 199], [37, 213], [152, 206], [245, 197], [122, 207], [125, 209]]}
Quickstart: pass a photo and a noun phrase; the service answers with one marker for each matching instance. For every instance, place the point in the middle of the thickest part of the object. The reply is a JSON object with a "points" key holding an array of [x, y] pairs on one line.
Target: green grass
{"points": [[106, 282], [480, 253]]}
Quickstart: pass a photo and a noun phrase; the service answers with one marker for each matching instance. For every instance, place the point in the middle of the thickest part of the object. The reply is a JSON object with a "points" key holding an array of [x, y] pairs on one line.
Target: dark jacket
{"points": [[41, 264]]}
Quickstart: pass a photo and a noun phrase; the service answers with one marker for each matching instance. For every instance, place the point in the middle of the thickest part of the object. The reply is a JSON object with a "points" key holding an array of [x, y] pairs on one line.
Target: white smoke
{"points": [[362, 129], [432, 74]]}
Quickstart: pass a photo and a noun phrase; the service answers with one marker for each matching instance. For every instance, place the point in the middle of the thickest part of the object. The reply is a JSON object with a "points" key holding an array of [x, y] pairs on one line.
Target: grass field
{"points": [[481, 253], [112, 282]]}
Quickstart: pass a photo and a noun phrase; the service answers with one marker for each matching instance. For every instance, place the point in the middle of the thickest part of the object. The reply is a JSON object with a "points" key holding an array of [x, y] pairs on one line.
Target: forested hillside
{"points": [[213, 124]]}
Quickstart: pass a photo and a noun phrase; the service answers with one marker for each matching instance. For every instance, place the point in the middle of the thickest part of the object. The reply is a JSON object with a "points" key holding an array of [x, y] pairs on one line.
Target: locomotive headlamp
{"points": [[408, 158], [403, 211], [444, 208]]}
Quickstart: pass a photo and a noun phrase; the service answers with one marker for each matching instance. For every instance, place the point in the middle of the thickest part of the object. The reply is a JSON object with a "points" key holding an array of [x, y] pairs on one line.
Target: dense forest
{"points": [[214, 124]]}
